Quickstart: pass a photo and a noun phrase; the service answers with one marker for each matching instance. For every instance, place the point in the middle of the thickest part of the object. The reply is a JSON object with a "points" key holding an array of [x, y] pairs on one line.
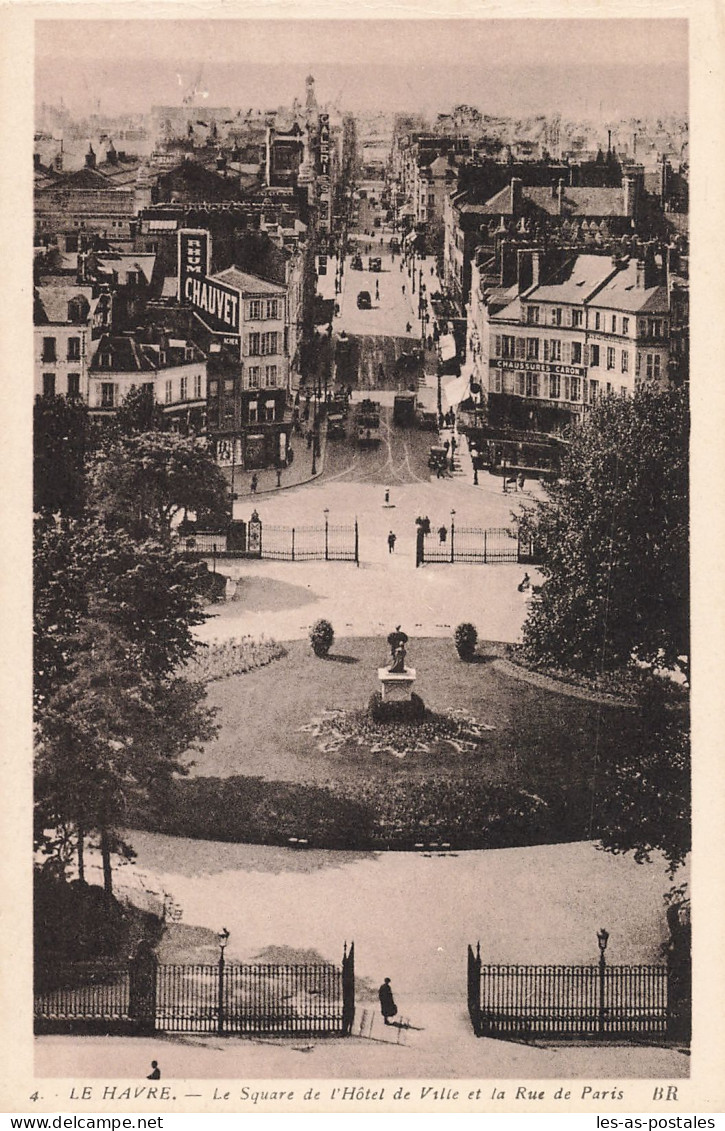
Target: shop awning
{"points": [[455, 391], [447, 347]]}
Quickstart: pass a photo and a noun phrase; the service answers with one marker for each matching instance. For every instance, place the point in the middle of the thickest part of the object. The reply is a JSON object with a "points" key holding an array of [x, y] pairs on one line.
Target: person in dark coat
{"points": [[388, 1008], [155, 1073]]}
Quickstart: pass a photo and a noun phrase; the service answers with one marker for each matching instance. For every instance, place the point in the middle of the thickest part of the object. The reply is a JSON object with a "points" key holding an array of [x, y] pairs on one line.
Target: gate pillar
{"points": [[348, 989], [142, 988]]}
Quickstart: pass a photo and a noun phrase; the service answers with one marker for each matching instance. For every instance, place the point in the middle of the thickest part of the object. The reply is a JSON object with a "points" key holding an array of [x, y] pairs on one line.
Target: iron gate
{"points": [[256, 998], [326, 542], [222, 997], [568, 1001], [474, 544]]}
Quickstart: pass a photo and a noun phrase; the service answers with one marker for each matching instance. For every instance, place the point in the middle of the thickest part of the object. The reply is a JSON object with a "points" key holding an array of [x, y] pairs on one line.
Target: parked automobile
{"points": [[375, 263], [364, 302], [335, 425], [357, 263], [438, 458]]}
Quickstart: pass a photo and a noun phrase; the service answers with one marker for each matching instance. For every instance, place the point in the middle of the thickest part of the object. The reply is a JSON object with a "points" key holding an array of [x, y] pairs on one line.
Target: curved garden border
{"points": [[548, 683]]}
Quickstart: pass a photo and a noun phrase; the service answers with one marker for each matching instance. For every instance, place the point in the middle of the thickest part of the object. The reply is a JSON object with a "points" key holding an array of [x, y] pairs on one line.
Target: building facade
{"points": [[249, 415], [542, 355], [62, 320], [173, 369]]}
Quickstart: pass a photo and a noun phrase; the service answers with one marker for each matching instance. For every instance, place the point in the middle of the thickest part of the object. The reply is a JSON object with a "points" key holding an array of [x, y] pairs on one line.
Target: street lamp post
{"points": [[602, 939], [223, 937], [453, 534], [326, 513]]}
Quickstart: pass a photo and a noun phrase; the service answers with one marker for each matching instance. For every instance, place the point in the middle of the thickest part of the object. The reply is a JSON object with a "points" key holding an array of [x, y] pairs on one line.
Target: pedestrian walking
{"points": [[155, 1073], [475, 476], [402, 264], [521, 481], [454, 445], [432, 269], [279, 477], [391, 543], [408, 326], [442, 534], [387, 496], [254, 483], [377, 290], [388, 1008], [524, 584]]}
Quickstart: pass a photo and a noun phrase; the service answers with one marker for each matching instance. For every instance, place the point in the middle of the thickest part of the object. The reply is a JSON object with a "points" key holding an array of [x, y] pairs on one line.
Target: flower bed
{"points": [[222, 659], [341, 732]]}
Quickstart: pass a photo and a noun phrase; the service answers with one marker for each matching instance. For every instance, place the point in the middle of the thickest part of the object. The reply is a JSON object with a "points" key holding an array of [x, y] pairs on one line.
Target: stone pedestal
{"points": [[396, 687]]}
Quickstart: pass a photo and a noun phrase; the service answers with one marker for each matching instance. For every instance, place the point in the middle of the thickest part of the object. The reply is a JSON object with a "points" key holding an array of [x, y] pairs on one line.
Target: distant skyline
{"points": [[597, 68]]}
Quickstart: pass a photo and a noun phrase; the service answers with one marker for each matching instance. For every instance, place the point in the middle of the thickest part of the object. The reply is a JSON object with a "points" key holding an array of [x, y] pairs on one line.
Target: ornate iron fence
{"points": [[598, 1001], [221, 997], [236, 998], [83, 991], [474, 544], [328, 542]]}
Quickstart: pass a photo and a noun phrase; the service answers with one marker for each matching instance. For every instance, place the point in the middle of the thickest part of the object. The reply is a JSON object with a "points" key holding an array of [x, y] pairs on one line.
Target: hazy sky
{"points": [[628, 67]]}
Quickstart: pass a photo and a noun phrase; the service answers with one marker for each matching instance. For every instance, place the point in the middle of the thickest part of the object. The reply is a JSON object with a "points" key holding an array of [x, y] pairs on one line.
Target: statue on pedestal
{"points": [[397, 641]]}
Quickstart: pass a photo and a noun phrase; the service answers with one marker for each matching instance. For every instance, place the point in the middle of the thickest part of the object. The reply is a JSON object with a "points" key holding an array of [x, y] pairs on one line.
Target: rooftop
{"points": [[248, 284], [51, 302]]}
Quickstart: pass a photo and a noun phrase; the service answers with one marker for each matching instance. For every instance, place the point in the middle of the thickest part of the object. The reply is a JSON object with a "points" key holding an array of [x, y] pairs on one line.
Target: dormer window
{"points": [[78, 309]]}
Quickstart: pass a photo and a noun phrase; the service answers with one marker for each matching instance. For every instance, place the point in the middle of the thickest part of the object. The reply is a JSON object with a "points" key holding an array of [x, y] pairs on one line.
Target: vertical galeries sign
{"points": [[323, 169], [323, 164]]}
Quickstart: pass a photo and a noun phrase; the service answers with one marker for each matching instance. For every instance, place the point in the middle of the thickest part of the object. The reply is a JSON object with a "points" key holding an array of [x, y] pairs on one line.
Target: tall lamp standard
{"points": [[602, 939], [223, 937]]}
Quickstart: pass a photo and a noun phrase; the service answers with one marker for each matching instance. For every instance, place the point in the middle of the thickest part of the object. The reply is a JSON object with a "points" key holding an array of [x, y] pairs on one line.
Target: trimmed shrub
{"points": [[466, 638], [322, 635]]}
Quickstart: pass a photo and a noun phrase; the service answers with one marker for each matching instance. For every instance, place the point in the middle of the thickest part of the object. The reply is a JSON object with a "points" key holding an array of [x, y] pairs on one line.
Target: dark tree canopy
{"points": [[62, 436], [139, 412], [614, 538], [112, 625], [643, 795], [144, 481]]}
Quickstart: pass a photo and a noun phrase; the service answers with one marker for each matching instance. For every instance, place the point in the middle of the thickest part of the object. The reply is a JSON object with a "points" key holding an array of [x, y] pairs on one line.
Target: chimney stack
{"points": [[516, 195], [630, 186], [641, 274], [560, 196]]}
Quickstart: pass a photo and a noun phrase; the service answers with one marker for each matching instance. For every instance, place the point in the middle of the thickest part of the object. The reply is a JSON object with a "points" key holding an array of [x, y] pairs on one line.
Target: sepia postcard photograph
{"points": [[360, 486]]}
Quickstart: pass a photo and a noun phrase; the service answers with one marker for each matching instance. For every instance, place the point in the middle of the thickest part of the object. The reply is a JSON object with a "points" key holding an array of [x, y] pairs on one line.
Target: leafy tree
{"points": [[613, 536], [643, 798], [149, 596], [112, 625], [62, 434], [143, 482], [139, 412]]}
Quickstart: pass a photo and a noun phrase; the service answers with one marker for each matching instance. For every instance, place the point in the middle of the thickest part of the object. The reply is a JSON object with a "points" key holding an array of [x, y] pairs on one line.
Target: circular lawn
{"points": [[496, 762]]}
